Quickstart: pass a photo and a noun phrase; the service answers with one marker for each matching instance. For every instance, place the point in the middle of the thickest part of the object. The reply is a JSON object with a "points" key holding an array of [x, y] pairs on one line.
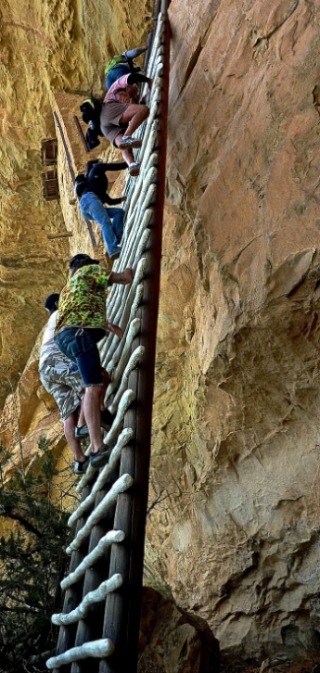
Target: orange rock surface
{"points": [[233, 529]]}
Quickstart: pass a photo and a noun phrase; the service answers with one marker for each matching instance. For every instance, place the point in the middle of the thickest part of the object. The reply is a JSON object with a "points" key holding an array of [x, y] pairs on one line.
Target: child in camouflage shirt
{"points": [[82, 324]]}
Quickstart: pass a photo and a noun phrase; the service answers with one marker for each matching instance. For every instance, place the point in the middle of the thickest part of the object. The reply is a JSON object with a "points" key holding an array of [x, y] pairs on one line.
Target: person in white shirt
{"points": [[61, 378]]}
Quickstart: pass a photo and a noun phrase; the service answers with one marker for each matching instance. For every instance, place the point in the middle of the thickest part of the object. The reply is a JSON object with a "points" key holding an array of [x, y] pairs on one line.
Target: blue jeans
{"points": [[80, 345], [115, 73], [110, 219], [116, 215]]}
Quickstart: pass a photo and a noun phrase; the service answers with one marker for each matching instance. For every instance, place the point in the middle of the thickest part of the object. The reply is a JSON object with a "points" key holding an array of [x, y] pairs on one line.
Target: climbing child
{"points": [[90, 189], [122, 114], [122, 64], [82, 324], [61, 378]]}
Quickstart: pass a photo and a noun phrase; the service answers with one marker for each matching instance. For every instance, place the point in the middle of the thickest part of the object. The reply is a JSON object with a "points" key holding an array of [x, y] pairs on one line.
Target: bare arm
{"points": [[115, 201], [114, 166], [121, 277], [136, 78], [115, 329], [133, 53]]}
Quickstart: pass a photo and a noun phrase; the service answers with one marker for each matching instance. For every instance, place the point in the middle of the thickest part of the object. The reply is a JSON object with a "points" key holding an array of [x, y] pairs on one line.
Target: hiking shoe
{"points": [[106, 419], [81, 432], [101, 457], [129, 141], [80, 466], [115, 254], [134, 169]]}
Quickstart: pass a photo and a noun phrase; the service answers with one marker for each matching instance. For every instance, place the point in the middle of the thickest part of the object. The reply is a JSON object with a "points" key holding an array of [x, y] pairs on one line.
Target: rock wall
{"points": [[172, 641], [234, 499], [46, 45], [236, 435]]}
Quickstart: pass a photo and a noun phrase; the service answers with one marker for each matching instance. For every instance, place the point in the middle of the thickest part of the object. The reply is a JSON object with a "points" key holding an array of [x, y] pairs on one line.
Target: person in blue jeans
{"points": [[81, 325], [91, 189], [112, 229], [113, 72]]}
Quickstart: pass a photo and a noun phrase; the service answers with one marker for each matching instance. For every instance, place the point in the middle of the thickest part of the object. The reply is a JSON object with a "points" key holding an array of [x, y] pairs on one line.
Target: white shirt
{"points": [[48, 343]]}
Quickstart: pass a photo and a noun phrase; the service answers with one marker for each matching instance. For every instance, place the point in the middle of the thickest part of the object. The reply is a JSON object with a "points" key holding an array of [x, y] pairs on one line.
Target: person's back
{"points": [[122, 64], [116, 73], [97, 181], [82, 324], [83, 300]]}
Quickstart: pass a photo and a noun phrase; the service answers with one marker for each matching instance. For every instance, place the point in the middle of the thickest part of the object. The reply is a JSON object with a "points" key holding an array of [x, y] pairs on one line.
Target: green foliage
{"points": [[32, 564]]}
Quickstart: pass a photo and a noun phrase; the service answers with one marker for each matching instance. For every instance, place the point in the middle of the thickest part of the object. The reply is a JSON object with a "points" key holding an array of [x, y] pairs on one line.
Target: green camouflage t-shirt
{"points": [[82, 301]]}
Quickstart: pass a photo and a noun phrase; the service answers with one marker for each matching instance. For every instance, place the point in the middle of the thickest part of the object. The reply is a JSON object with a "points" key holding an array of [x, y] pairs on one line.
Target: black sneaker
{"points": [[116, 253], [81, 432], [107, 419], [101, 457], [80, 466]]}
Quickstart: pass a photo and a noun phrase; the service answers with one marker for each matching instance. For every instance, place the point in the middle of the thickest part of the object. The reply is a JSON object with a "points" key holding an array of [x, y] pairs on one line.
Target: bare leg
{"points": [[126, 154], [75, 446], [105, 379], [81, 419], [92, 415], [134, 115]]}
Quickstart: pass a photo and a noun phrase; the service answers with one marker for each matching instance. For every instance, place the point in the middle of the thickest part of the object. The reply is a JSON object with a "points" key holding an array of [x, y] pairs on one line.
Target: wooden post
{"points": [[72, 595], [64, 234], [72, 173], [80, 133]]}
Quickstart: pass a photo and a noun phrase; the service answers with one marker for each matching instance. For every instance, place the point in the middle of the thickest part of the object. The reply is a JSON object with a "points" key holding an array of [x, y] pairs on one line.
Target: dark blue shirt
{"points": [[97, 181]]}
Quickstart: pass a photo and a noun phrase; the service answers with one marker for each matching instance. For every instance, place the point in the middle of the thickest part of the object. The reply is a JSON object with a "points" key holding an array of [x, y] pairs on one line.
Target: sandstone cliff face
{"points": [[45, 46], [172, 641], [233, 528], [237, 393]]}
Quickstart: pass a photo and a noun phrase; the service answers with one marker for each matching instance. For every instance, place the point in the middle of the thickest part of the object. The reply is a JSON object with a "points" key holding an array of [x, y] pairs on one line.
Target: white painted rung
{"points": [[120, 486], [113, 536], [96, 596], [96, 649]]}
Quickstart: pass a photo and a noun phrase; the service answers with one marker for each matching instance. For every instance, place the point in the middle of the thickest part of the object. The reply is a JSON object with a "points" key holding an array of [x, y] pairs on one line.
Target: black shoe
{"points": [[81, 432], [106, 419], [101, 457], [116, 253], [80, 466]]}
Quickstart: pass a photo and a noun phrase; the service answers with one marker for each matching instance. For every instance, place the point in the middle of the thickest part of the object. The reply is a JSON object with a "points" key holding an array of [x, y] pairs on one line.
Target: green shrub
{"points": [[32, 563]]}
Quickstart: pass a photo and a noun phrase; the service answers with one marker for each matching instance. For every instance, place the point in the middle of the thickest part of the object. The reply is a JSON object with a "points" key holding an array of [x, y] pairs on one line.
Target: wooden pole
{"points": [[73, 595], [72, 173], [80, 133], [64, 234]]}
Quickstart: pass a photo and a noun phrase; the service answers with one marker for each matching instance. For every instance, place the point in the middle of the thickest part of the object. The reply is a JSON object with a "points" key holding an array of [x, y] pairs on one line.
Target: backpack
{"points": [[90, 109], [92, 138], [121, 59], [80, 184], [116, 60]]}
